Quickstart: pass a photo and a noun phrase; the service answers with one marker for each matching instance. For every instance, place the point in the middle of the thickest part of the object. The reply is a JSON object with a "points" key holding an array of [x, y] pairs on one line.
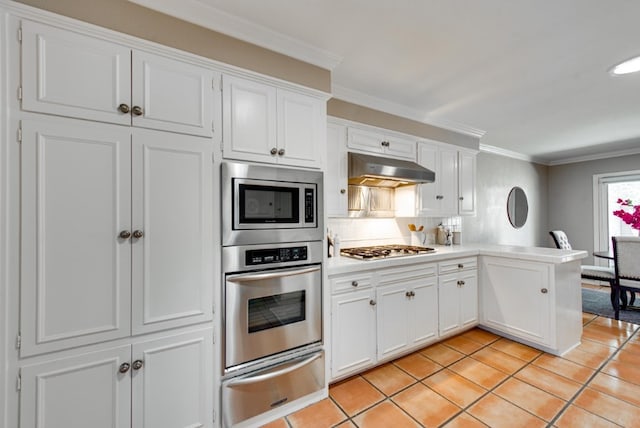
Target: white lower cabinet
{"points": [[457, 295], [353, 332], [163, 383]]}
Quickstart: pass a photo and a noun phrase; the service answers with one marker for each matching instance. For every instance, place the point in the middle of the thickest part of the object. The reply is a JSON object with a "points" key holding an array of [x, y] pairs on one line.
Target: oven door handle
{"points": [[271, 375], [271, 275]]}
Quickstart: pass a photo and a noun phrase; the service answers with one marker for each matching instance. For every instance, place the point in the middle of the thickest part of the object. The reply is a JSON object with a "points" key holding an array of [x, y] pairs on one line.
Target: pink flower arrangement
{"points": [[631, 218]]}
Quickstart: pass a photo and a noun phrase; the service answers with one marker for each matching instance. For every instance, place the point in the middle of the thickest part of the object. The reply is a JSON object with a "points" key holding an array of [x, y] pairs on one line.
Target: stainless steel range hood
{"points": [[374, 171]]}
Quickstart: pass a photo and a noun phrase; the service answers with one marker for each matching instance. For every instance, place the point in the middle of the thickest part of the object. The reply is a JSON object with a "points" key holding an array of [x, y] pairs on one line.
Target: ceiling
{"points": [[529, 76]]}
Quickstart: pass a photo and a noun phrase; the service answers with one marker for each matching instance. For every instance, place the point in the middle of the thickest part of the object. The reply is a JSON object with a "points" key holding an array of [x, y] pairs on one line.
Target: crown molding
{"points": [[510, 154], [215, 19], [366, 100], [596, 156]]}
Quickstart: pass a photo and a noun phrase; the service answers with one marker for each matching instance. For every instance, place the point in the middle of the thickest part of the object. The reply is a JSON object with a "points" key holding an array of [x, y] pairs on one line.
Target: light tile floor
{"points": [[478, 379]]}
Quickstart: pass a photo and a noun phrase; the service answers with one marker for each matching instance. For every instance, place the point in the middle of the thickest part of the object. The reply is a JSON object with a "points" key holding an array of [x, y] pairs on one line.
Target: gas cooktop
{"points": [[384, 251]]}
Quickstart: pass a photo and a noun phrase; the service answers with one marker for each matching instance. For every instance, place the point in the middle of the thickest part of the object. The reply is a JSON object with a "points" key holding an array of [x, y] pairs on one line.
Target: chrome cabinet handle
{"points": [[137, 364], [125, 234], [123, 108], [544, 291], [124, 367], [354, 283], [274, 151], [372, 302], [137, 111], [281, 152], [138, 234]]}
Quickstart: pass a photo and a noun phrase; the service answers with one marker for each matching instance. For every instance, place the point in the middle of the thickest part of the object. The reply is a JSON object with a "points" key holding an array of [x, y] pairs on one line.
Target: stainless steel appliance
{"points": [[385, 251], [376, 171], [266, 204], [272, 235]]}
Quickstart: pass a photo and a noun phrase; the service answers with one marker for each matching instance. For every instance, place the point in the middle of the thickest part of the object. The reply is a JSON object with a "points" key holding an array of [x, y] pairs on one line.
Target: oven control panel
{"points": [[275, 255]]}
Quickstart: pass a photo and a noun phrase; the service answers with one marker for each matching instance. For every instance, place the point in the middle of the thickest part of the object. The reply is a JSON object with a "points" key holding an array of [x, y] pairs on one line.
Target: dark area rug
{"points": [[599, 303]]}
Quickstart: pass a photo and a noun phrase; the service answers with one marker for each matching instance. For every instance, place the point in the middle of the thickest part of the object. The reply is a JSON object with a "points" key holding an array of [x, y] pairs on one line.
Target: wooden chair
{"points": [[626, 258], [598, 273]]}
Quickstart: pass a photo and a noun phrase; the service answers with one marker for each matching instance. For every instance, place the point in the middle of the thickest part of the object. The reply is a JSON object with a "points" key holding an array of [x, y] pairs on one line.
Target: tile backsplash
{"points": [[380, 231]]}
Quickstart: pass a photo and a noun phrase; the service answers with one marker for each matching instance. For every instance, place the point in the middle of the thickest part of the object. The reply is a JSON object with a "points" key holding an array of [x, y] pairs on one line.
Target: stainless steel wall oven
{"points": [[272, 253]]}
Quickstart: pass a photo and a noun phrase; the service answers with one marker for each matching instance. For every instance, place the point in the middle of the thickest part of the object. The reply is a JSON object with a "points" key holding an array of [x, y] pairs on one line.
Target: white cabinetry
{"points": [[264, 123], [116, 232], [534, 302], [407, 314], [378, 141], [378, 315], [69, 74], [457, 295], [453, 191], [121, 385], [336, 176]]}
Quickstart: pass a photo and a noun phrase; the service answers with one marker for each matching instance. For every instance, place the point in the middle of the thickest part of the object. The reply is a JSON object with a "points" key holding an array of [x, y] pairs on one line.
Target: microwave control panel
{"points": [[275, 255], [309, 206]]}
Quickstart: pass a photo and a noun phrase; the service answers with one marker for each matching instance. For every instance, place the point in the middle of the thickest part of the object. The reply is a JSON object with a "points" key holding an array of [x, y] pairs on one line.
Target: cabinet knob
{"points": [[125, 234], [137, 111], [137, 364], [372, 302], [438, 197], [544, 291], [460, 283], [281, 152], [413, 294], [123, 108], [461, 198], [124, 367], [460, 266], [354, 283], [408, 294], [343, 191], [138, 234], [274, 151]]}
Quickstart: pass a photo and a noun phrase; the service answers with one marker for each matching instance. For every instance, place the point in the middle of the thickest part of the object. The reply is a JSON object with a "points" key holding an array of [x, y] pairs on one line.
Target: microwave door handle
{"points": [[267, 376], [271, 275]]}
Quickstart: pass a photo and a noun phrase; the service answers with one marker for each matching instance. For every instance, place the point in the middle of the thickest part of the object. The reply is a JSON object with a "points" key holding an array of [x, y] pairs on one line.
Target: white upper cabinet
{"points": [[263, 123], [111, 214], [453, 191], [335, 178], [69, 74], [382, 143]]}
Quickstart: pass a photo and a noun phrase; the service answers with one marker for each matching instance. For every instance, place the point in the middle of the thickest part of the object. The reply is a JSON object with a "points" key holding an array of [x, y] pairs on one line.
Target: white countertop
{"points": [[340, 265]]}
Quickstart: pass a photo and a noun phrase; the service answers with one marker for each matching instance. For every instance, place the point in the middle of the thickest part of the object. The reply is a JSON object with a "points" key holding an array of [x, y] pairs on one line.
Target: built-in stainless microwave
{"points": [[268, 204]]}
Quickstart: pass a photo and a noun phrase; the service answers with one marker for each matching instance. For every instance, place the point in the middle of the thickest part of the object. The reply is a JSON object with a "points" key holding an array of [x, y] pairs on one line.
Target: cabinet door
{"points": [[301, 129], [517, 298], [429, 204], [466, 183], [353, 332], [448, 183], [335, 179], [423, 311], [78, 392], [173, 95], [448, 303], [392, 319], [366, 141], [69, 74], [174, 386], [249, 120], [400, 147], [468, 298], [75, 270], [172, 208]]}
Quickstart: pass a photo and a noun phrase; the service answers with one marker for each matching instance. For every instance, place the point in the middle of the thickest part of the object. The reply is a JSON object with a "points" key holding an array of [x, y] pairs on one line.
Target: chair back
{"points": [[626, 256], [561, 240]]}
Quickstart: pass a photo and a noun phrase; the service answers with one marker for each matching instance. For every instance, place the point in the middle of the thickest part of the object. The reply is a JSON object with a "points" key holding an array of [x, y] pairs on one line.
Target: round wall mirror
{"points": [[517, 207]]}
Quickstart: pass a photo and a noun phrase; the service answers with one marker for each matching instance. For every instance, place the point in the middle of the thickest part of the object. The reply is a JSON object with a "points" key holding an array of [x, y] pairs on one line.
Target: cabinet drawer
{"points": [[457, 265], [406, 273], [351, 282]]}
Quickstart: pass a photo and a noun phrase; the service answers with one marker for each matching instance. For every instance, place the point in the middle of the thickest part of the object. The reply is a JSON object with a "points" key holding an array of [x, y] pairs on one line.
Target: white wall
{"points": [[571, 197], [496, 175]]}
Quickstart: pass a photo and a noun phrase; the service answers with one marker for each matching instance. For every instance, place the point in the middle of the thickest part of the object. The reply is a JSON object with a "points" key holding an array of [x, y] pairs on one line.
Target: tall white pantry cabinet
{"points": [[112, 170]]}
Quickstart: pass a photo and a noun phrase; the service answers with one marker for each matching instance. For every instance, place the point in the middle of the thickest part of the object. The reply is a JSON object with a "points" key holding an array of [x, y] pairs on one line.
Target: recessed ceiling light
{"points": [[629, 66]]}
